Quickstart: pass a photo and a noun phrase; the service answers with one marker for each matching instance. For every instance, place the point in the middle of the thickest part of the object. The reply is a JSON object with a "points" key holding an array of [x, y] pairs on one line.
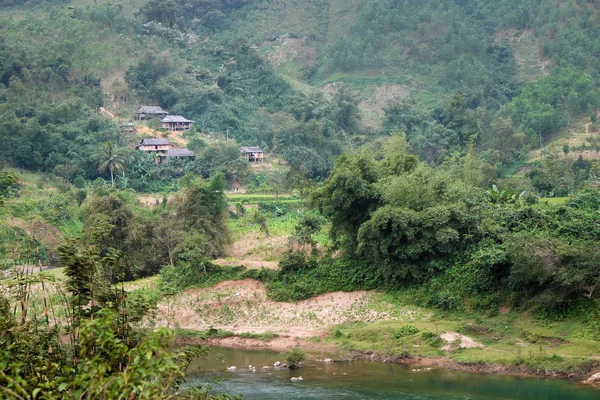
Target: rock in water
{"points": [[232, 368]]}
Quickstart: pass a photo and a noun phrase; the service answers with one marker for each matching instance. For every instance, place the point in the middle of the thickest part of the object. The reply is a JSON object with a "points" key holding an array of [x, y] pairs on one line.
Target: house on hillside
{"points": [[176, 123], [149, 112], [154, 145], [163, 150], [253, 154], [127, 127], [182, 154]]}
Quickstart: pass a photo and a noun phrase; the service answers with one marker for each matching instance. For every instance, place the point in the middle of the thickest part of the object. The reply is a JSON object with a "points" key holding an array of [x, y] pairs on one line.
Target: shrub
{"points": [[294, 358], [406, 330], [183, 275], [273, 209], [431, 339]]}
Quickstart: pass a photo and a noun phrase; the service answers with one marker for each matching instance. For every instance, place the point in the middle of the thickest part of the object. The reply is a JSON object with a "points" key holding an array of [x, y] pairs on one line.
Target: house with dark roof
{"points": [[176, 123], [163, 150], [154, 145], [253, 154], [149, 112], [181, 153]]}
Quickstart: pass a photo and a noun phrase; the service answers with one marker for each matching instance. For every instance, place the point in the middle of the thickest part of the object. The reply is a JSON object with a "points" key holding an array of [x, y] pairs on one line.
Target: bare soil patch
{"points": [[243, 306], [279, 343], [150, 201], [373, 108], [175, 138], [457, 340], [332, 88], [531, 62], [49, 235], [290, 49], [257, 247]]}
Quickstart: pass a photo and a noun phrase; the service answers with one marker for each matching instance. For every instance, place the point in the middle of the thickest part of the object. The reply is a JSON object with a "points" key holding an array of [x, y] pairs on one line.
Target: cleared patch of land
{"points": [[243, 306]]}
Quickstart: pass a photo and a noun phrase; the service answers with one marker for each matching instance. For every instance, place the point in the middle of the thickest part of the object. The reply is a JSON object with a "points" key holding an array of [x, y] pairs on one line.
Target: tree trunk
{"points": [[112, 179]]}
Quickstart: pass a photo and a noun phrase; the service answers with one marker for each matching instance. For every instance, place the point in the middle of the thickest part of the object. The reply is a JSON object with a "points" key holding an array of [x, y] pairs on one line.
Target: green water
{"points": [[370, 380]]}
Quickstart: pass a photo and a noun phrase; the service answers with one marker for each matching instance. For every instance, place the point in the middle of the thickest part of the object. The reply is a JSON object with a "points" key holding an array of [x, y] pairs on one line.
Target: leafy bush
{"points": [[183, 275], [294, 358], [273, 209], [406, 330]]}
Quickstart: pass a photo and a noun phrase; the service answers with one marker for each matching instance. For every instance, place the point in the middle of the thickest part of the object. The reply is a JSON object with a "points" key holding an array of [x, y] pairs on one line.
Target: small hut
{"points": [[176, 123], [253, 154], [150, 112]]}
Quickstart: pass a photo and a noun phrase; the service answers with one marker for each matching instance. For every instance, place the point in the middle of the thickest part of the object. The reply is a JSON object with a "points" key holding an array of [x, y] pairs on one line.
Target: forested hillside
{"points": [[305, 80]]}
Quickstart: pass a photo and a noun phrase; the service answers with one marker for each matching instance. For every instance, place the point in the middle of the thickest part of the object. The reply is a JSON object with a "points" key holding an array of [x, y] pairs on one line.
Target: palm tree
{"points": [[110, 158]]}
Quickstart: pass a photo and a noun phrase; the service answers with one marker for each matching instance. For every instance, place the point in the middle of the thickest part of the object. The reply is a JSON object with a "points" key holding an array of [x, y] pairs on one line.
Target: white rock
{"points": [[232, 368], [593, 379], [277, 364]]}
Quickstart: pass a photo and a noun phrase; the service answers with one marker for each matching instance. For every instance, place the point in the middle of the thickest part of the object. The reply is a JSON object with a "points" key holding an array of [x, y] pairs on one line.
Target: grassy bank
{"points": [[509, 340]]}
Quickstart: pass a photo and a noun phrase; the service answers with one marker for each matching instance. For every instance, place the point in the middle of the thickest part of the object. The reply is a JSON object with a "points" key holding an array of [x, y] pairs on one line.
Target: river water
{"points": [[369, 380]]}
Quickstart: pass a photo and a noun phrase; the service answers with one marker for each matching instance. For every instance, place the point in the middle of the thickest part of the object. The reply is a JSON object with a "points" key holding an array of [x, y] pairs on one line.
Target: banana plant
{"points": [[504, 196]]}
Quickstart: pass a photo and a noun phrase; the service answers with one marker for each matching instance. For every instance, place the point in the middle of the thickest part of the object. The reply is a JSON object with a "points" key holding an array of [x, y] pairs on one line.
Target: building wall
{"points": [[178, 126], [154, 148]]}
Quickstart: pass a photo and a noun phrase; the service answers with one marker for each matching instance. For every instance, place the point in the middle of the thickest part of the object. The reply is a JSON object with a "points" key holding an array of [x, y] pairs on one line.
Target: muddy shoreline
{"points": [[331, 352]]}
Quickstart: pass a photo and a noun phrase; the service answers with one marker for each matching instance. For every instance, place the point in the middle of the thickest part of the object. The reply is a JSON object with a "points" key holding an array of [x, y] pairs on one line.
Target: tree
{"points": [[110, 158], [309, 225], [346, 113], [8, 183], [168, 234], [458, 117], [203, 207], [163, 11], [277, 182]]}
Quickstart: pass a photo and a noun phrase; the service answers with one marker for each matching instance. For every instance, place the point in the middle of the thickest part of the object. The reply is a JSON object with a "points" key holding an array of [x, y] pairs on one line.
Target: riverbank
{"points": [[584, 370], [343, 326], [380, 327]]}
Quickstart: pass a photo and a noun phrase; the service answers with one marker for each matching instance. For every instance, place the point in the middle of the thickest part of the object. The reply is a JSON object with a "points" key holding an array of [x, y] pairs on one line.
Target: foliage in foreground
{"points": [[83, 343]]}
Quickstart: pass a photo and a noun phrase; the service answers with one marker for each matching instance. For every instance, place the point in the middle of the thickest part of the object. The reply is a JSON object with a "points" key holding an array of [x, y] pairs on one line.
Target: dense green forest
{"points": [[442, 152]]}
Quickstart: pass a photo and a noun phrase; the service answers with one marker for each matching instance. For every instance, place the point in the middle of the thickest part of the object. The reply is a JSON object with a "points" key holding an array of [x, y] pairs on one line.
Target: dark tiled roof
{"points": [[151, 110], [181, 153], [155, 142], [255, 149], [175, 118]]}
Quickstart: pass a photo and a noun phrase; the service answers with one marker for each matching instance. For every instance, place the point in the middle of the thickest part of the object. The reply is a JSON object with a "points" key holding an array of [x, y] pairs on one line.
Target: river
{"points": [[369, 380]]}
